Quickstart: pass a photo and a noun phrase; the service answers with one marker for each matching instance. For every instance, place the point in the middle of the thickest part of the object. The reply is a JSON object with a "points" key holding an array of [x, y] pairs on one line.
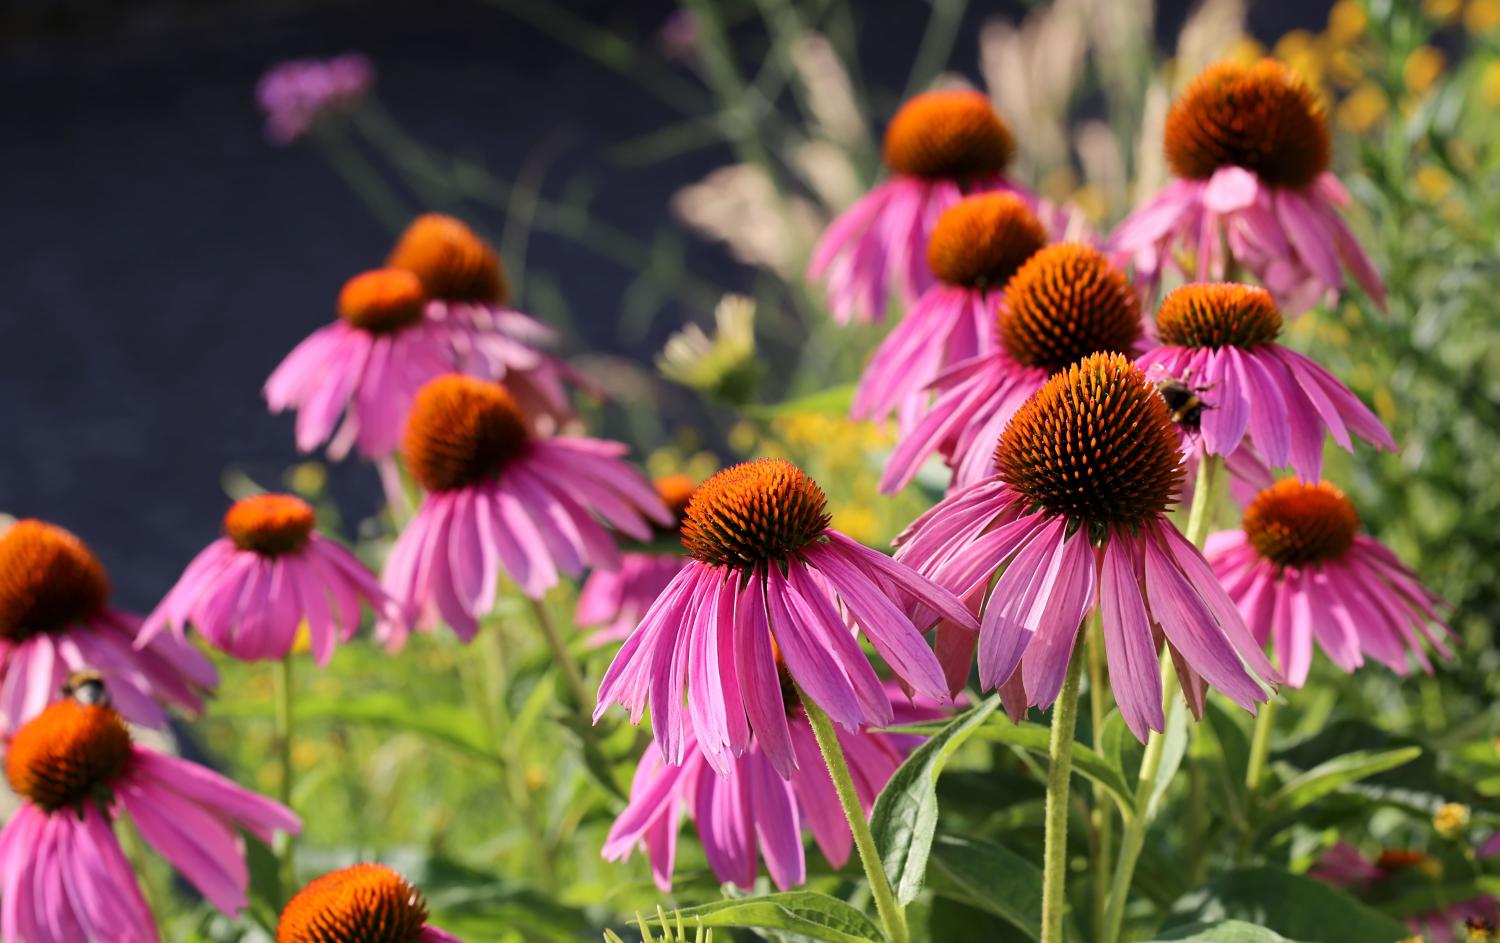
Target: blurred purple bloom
{"points": [[297, 93]]}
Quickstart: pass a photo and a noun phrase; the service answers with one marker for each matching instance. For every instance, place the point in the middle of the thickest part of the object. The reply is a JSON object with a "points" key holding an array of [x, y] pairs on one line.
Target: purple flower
{"points": [[500, 498], [749, 811], [295, 95], [1072, 520], [250, 591], [1065, 302], [1220, 339], [771, 584], [63, 875], [1300, 570], [55, 620], [974, 250], [939, 146], [1250, 148]]}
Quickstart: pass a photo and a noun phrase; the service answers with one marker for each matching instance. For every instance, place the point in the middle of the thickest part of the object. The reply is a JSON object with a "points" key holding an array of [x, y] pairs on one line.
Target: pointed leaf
{"points": [[906, 812], [811, 915]]}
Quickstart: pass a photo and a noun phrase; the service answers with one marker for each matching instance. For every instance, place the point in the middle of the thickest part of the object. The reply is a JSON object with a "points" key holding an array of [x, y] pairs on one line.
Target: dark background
{"points": [[159, 257]]}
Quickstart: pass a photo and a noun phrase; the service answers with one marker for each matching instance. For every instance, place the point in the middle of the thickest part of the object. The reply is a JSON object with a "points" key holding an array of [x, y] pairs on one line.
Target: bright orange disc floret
{"points": [[363, 903], [270, 524], [1066, 302], [453, 263], [1293, 523], [1261, 117], [753, 513], [461, 431], [981, 240], [1095, 445], [382, 301], [1220, 314], [67, 753], [948, 135], [49, 580]]}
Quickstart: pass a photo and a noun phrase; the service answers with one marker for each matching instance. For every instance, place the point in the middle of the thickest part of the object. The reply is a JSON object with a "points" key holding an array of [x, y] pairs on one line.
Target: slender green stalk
{"points": [[363, 179], [1260, 745], [583, 701], [1059, 783], [1134, 836], [284, 679], [892, 916], [1103, 807], [1200, 513]]}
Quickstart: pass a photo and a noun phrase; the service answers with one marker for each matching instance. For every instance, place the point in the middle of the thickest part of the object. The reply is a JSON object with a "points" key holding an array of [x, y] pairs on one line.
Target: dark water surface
{"points": [[158, 257]]}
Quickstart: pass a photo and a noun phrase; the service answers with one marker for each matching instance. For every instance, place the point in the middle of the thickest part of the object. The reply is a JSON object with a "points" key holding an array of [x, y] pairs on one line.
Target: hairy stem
{"points": [[892, 915], [1059, 783]]}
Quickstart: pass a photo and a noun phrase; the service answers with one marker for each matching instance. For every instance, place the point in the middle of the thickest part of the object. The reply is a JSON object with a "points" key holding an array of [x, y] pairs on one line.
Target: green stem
{"points": [[892, 916], [577, 690], [1103, 806], [1134, 836], [1059, 783], [284, 678], [1200, 514], [1260, 745]]}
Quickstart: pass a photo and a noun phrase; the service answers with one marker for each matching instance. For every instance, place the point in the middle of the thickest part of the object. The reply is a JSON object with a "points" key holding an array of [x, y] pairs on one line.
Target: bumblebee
{"points": [[1186, 408], [86, 687]]}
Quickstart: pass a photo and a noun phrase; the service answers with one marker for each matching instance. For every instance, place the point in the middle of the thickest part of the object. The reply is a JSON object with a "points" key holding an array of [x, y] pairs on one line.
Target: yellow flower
{"points": [[1422, 69], [1344, 68], [1347, 21], [1304, 53], [302, 642], [308, 478], [1363, 108], [1432, 182], [1451, 819], [1442, 11], [1482, 16], [1489, 83], [1245, 49]]}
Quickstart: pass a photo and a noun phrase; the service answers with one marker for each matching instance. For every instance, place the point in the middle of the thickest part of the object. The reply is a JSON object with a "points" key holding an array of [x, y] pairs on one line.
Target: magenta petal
{"points": [[1134, 672]]}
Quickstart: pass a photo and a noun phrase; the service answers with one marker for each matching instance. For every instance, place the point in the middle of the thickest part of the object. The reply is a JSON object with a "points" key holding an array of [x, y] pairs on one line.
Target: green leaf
{"points": [[1297, 907], [989, 877], [382, 710], [1087, 763], [1036, 739], [265, 892], [833, 401], [812, 915], [1327, 778], [1173, 749], [1233, 754], [1229, 931], [906, 811]]}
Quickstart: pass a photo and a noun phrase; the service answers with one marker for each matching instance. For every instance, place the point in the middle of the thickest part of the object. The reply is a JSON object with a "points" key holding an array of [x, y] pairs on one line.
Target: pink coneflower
{"points": [[1300, 570], [1074, 518], [55, 619], [363, 903], [976, 246], [499, 498], [467, 291], [1221, 340], [615, 600], [1065, 302], [1345, 866], [298, 94], [939, 146], [250, 590], [365, 367], [1250, 148], [750, 811], [63, 876], [769, 575]]}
